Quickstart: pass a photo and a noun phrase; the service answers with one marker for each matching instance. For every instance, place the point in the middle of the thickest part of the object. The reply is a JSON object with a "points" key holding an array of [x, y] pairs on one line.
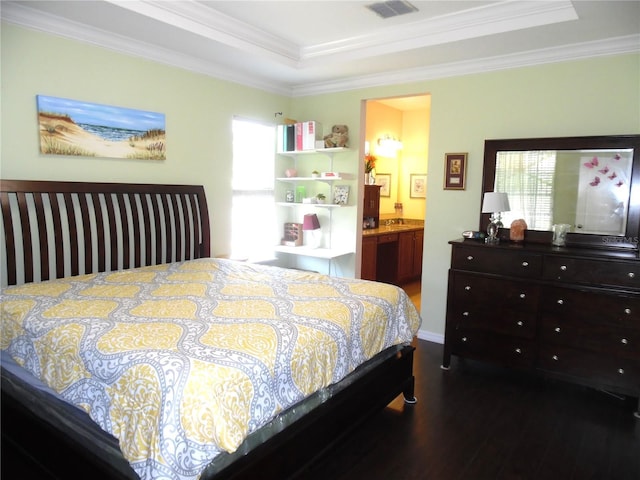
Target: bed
{"points": [[128, 352]]}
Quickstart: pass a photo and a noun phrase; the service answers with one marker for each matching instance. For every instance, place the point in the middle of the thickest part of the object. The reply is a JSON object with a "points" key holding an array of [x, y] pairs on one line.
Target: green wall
{"points": [[198, 110], [585, 97]]}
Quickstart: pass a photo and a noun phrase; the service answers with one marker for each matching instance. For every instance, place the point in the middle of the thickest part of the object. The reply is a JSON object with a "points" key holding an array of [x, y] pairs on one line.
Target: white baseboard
{"points": [[431, 336]]}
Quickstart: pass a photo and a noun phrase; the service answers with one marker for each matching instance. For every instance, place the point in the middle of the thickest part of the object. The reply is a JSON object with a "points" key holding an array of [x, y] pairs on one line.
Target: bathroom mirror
{"points": [[590, 183]]}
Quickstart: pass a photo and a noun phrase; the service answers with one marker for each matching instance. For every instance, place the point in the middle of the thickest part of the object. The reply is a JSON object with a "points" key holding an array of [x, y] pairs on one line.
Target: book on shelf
{"points": [[280, 138], [311, 131], [299, 136], [290, 137], [298, 130], [286, 138]]}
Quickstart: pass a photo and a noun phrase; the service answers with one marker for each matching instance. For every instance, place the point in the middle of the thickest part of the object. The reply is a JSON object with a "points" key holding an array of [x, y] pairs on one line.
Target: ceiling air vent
{"points": [[391, 8]]}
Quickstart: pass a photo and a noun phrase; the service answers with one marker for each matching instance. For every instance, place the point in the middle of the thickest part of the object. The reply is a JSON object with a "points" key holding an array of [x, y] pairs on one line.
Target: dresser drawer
{"points": [[498, 261], [510, 351], [499, 306], [588, 271], [590, 308], [610, 341], [495, 293], [605, 370], [517, 324]]}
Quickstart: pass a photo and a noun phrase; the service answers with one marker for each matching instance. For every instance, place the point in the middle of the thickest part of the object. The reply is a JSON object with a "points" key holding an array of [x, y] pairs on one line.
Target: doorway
{"points": [[404, 120]]}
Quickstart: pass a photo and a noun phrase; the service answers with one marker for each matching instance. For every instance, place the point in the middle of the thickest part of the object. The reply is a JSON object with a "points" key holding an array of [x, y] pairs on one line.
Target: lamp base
{"points": [[492, 232], [315, 238]]}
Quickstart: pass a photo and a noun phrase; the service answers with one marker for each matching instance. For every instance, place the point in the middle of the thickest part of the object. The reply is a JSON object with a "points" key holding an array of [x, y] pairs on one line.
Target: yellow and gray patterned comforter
{"points": [[182, 361]]}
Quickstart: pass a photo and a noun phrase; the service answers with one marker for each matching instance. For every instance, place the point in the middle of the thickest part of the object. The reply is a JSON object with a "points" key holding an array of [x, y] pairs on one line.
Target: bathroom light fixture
{"points": [[389, 141], [388, 146], [494, 203]]}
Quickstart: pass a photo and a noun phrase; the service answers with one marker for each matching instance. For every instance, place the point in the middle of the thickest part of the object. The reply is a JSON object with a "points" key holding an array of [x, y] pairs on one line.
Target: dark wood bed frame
{"points": [[138, 225]]}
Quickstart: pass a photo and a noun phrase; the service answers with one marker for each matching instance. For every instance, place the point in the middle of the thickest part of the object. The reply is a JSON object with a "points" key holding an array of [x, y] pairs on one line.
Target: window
{"points": [[530, 188], [252, 183]]}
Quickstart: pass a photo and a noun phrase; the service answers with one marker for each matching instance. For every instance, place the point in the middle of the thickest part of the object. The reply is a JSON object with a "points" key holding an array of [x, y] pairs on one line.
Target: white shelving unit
{"points": [[326, 253], [329, 252]]}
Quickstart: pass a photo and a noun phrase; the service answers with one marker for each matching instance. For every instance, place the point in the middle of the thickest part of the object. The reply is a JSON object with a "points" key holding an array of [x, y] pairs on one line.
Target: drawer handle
{"points": [[465, 314], [520, 323], [467, 288], [523, 295], [563, 267], [632, 275], [470, 257], [621, 371], [555, 357], [464, 339], [560, 302], [624, 341], [518, 351], [525, 264], [557, 329], [627, 311]]}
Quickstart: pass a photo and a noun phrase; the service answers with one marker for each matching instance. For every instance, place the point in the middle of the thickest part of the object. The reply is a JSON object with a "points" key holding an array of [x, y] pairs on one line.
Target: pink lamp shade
{"points": [[310, 222]]}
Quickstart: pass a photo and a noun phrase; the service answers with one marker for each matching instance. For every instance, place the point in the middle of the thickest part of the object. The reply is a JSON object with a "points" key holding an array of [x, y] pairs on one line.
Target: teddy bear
{"points": [[338, 137]]}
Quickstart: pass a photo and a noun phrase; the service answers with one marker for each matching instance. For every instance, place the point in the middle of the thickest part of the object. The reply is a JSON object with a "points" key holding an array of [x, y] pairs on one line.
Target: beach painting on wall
{"points": [[71, 127]]}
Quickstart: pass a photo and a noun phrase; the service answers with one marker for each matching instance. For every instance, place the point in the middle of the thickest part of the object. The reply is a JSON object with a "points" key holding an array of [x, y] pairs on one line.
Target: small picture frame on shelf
{"points": [[341, 194]]}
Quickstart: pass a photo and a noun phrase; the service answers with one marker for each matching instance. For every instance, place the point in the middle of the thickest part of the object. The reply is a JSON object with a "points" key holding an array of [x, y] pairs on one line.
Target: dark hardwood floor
{"points": [[479, 422]]}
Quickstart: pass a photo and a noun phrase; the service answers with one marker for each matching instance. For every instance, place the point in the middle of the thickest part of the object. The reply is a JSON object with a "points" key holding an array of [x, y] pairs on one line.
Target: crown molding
{"points": [[37, 20], [614, 46], [54, 25], [207, 22]]}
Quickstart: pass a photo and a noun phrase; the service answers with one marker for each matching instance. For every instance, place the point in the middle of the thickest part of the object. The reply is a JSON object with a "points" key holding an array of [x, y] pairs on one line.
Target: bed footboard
{"points": [[28, 438], [293, 449]]}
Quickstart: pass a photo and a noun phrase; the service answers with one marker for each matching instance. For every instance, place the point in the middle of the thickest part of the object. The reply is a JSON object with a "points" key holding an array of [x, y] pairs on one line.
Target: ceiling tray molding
{"points": [[53, 25], [473, 23], [616, 46], [212, 24]]}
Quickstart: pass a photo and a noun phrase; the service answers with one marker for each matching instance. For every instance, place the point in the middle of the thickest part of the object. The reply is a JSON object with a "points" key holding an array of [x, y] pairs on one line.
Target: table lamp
{"points": [[311, 224], [494, 203]]}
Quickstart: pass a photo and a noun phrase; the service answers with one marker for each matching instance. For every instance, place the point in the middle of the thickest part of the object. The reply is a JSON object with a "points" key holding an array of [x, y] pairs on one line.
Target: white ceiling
{"points": [[307, 47]]}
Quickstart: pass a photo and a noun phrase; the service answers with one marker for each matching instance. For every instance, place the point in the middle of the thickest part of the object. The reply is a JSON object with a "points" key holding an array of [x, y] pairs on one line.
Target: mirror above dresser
{"points": [[590, 183]]}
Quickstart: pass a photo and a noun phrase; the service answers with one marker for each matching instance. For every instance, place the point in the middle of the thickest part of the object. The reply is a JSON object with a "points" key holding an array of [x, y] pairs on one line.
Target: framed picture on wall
{"points": [[455, 168], [80, 128], [384, 180], [418, 185]]}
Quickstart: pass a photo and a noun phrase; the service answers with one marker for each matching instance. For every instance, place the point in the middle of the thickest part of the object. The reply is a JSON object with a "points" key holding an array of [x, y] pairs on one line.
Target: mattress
{"points": [[182, 362]]}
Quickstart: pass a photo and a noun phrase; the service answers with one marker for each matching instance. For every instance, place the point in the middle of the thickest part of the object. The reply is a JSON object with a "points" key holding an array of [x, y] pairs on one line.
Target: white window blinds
{"points": [[528, 179]]}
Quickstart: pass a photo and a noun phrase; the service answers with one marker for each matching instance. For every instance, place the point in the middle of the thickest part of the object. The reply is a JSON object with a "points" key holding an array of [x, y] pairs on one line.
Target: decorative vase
{"points": [[367, 178]]}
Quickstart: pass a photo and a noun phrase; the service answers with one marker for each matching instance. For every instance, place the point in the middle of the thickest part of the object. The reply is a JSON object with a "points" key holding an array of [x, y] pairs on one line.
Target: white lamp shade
{"points": [[495, 202]]}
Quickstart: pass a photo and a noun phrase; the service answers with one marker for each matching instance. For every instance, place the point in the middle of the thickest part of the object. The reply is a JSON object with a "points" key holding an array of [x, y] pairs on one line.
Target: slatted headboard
{"points": [[58, 229]]}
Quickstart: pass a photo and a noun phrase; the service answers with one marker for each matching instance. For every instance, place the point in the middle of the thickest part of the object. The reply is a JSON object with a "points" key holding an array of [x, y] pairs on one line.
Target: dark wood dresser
{"points": [[572, 313]]}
